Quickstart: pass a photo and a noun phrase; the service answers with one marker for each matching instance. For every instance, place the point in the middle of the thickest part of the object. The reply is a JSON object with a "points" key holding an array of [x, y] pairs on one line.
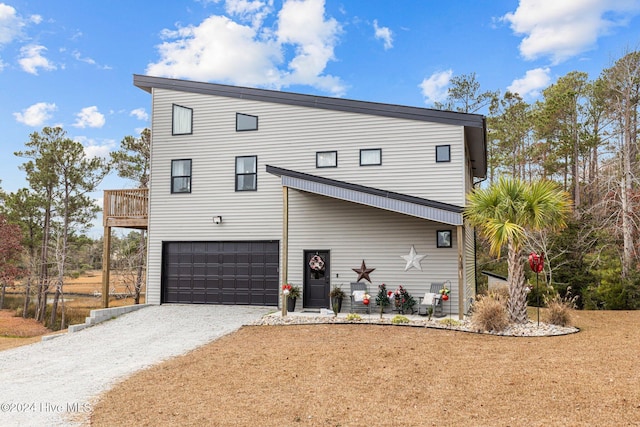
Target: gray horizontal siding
{"points": [[288, 137]]}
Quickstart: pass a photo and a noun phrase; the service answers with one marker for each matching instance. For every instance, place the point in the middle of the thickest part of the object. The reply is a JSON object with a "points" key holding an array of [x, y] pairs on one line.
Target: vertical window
{"points": [[181, 176], [443, 153], [182, 120], [246, 173], [246, 122], [327, 159], [371, 157]]}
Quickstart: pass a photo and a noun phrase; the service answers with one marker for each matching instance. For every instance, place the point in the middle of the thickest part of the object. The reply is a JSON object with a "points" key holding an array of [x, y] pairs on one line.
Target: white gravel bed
{"points": [[530, 329], [56, 382]]}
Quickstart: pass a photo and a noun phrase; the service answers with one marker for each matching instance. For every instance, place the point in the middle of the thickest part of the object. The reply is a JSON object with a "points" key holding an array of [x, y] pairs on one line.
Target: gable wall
{"points": [[288, 137]]}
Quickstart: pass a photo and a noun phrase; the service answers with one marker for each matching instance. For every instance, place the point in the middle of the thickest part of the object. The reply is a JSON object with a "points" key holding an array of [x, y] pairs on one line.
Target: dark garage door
{"points": [[220, 272]]}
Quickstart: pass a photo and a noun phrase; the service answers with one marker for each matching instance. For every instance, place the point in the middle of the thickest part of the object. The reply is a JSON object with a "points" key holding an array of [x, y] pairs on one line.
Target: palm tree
{"points": [[504, 212]]}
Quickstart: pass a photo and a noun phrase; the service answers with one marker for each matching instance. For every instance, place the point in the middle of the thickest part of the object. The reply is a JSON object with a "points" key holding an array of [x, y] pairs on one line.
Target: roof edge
{"points": [[364, 189]]}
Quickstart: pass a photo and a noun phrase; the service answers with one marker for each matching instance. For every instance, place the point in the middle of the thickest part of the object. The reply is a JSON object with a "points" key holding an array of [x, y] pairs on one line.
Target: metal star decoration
{"points": [[363, 272], [413, 259]]}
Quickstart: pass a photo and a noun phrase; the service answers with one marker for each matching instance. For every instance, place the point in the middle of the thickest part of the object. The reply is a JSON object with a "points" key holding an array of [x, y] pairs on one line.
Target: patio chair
{"points": [[432, 300], [358, 290]]}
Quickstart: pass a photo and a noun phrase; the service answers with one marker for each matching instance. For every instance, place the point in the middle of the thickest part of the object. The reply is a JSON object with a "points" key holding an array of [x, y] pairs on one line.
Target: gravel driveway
{"points": [[55, 382]]}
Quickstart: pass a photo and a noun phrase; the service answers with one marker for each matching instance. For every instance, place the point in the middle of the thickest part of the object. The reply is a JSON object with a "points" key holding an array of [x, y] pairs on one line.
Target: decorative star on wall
{"points": [[363, 272], [413, 259]]}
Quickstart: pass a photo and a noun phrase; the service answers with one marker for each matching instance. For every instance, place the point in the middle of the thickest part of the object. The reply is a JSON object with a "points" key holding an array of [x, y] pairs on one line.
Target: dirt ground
{"points": [[16, 331], [356, 375]]}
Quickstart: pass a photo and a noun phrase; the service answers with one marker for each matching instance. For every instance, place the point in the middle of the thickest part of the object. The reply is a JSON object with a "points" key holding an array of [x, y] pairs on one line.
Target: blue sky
{"points": [[70, 62]]}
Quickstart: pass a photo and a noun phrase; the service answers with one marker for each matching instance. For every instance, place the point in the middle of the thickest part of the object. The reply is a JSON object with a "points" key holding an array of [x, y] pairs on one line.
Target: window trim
{"points": [[448, 146], [173, 122], [371, 149], [335, 165], [182, 176], [246, 130], [236, 175]]}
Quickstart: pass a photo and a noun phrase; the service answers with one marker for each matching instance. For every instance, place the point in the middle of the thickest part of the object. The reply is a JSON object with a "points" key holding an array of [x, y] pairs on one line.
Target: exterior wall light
{"points": [[217, 220]]}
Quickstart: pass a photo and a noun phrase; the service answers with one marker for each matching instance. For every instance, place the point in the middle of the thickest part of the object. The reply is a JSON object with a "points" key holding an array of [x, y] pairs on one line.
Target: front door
{"points": [[316, 279]]}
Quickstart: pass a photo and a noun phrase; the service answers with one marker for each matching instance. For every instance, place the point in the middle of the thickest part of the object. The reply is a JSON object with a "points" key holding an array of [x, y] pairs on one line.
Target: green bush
{"points": [[354, 317], [398, 319]]}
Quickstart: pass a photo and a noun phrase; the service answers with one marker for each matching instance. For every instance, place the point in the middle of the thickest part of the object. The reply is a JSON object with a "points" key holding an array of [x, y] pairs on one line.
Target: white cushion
{"points": [[429, 298], [358, 295]]}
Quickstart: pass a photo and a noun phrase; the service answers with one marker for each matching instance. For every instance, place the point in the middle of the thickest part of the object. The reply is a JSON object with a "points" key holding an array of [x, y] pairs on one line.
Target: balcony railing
{"points": [[126, 208]]}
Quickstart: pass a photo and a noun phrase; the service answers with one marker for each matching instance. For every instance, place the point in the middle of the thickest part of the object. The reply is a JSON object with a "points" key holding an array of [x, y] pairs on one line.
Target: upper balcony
{"points": [[126, 208]]}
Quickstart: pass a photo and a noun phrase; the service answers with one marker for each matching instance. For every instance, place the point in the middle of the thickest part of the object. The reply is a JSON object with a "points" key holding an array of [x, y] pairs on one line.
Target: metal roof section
{"points": [[474, 124], [368, 196]]}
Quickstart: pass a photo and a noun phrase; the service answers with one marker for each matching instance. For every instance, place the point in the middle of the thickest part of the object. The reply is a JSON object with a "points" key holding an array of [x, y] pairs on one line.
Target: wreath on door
{"points": [[316, 263]]}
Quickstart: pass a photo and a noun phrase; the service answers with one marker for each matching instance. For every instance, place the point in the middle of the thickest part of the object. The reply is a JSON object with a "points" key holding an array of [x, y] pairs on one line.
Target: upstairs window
{"points": [[246, 173], [443, 153], [181, 176], [245, 122], [182, 120], [371, 157], [327, 159]]}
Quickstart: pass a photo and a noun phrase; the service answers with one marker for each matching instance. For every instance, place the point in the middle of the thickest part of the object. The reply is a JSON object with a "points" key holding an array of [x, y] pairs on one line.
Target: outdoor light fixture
{"points": [[217, 220]]}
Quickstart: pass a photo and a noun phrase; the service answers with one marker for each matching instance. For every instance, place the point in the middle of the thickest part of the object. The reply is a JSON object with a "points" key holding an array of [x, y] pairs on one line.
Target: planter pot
{"points": [[336, 301], [291, 304]]}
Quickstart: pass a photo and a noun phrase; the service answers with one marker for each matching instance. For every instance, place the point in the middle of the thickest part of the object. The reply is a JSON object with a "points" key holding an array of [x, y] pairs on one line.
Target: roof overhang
{"points": [[396, 202], [474, 124]]}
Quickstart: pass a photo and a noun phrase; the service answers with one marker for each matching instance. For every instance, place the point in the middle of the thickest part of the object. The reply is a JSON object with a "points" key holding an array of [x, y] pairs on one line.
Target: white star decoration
{"points": [[413, 259]]}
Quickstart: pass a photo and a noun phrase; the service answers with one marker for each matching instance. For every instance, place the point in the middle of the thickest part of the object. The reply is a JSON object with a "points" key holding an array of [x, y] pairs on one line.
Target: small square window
{"points": [[246, 173], [182, 120], [327, 159], [443, 153], [444, 239], [371, 157], [181, 176], [246, 122]]}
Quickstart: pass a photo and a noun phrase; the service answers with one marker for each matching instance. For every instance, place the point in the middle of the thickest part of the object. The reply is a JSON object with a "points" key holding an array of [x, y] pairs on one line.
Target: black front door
{"points": [[316, 279]]}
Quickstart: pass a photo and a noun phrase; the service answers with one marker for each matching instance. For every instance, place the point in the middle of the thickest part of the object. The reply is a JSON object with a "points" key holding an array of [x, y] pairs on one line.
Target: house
{"points": [[252, 188]]}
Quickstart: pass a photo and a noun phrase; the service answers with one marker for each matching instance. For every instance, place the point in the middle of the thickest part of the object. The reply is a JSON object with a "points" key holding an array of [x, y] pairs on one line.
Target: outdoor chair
{"points": [[432, 300], [358, 290]]}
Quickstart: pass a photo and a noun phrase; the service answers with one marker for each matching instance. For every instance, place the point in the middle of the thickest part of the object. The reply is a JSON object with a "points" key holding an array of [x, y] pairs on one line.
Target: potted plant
{"points": [[337, 295], [291, 293]]}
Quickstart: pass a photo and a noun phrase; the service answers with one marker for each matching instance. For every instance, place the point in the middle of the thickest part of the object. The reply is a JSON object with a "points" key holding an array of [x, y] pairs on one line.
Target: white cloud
{"points": [[562, 29], [434, 88], [10, 24], [223, 50], [31, 59], [36, 19], [78, 56], [532, 82], [140, 114], [384, 34], [89, 117], [36, 115], [2, 65], [93, 148]]}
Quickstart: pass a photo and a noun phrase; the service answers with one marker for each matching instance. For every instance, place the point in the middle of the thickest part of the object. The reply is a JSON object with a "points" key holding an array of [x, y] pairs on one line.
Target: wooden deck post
{"points": [[106, 261], [460, 243], [285, 244]]}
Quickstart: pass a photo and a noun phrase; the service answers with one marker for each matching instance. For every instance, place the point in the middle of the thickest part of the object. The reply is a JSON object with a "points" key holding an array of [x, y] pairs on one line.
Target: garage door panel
{"points": [[221, 272]]}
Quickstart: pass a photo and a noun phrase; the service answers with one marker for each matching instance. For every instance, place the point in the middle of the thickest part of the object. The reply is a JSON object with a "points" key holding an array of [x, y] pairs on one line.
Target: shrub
{"points": [[398, 319], [490, 313], [559, 309], [450, 322], [354, 317]]}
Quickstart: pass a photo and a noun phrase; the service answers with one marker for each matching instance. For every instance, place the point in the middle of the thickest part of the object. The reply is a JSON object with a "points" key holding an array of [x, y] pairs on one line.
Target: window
{"points": [[444, 239], [443, 153], [181, 176], [327, 159], [246, 173], [182, 120], [371, 157], [246, 122]]}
